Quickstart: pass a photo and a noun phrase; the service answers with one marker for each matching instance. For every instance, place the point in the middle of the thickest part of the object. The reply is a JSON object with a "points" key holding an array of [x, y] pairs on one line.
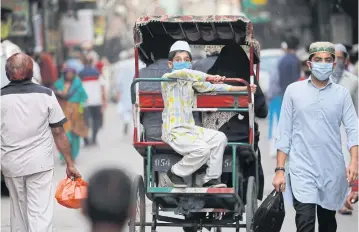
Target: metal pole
{"points": [[44, 24], [324, 14]]}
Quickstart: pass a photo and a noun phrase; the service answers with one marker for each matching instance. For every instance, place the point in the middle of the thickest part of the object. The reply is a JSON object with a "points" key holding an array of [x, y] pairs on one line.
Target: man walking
{"points": [[96, 101], [30, 114], [343, 77], [348, 80], [287, 72], [309, 135]]}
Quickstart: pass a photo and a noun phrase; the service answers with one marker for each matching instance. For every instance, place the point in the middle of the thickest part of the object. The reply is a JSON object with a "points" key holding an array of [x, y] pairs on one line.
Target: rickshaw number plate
{"points": [[163, 162], [227, 163]]}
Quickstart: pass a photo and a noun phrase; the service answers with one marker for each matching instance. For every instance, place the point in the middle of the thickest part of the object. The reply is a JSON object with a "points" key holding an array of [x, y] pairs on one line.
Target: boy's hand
{"points": [[253, 88], [215, 78]]}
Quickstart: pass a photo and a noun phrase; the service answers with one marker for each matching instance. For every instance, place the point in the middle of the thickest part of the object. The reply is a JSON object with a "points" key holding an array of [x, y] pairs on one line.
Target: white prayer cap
{"points": [[181, 46], [342, 48], [284, 45]]}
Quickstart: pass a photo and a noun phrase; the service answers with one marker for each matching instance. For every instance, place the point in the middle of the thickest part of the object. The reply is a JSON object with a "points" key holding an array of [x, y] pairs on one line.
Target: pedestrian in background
{"points": [[343, 77], [96, 102], [30, 117], [287, 72], [48, 69], [72, 96], [348, 80], [75, 61], [35, 59], [108, 204], [124, 77], [90, 53], [309, 135]]}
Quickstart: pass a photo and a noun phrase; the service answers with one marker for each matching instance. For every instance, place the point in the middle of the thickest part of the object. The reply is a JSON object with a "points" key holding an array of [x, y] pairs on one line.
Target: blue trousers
{"points": [[275, 106]]}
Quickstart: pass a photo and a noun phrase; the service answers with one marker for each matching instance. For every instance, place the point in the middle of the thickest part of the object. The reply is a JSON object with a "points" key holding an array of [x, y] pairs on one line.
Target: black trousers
{"points": [[305, 217], [93, 117]]}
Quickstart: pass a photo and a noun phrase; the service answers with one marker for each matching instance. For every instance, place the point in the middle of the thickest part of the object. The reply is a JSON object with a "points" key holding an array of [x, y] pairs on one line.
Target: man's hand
{"points": [[72, 172], [215, 78], [352, 171], [351, 199], [59, 91], [279, 181]]}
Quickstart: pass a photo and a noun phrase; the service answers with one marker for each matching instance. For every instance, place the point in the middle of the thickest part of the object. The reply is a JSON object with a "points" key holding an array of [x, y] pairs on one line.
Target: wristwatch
{"points": [[279, 169]]}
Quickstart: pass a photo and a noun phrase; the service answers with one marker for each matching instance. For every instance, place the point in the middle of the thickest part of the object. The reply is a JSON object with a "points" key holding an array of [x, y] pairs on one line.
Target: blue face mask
{"points": [[181, 65], [322, 71]]}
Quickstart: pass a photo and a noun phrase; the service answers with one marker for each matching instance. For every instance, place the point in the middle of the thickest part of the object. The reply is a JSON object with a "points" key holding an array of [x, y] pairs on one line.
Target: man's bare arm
{"points": [[354, 153], [281, 158], [63, 144]]}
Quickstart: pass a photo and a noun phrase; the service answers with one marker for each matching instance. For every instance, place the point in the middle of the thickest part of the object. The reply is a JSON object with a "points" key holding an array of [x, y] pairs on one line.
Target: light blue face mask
{"points": [[322, 71], [181, 65]]}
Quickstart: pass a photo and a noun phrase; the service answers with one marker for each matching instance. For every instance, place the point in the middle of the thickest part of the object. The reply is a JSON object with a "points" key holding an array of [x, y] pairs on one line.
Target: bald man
{"points": [[31, 116]]}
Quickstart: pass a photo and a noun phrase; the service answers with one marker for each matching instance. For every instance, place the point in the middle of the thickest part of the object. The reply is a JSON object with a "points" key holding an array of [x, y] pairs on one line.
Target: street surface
{"points": [[116, 150]]}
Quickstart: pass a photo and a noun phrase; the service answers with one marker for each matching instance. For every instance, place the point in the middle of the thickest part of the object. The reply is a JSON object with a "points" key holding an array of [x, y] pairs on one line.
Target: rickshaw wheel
{"points": [[252, 204], [138, 203]]}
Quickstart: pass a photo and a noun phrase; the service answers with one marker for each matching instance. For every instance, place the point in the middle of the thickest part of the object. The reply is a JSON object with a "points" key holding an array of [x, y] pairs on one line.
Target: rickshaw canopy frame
{"points": [[152, 33]]}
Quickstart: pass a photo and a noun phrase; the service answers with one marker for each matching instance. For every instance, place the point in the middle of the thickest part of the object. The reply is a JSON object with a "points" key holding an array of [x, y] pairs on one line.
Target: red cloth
{"points": [[355, 186], [302, 79], [48, 69], [99, 66]]}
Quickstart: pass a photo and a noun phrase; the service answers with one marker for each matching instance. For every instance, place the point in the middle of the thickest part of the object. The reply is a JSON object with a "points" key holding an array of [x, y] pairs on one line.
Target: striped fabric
{"points": [[92, 83]]}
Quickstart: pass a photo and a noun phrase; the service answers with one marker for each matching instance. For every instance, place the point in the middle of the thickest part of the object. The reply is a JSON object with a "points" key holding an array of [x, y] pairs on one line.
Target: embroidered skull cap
{"points": [[322, 47]]}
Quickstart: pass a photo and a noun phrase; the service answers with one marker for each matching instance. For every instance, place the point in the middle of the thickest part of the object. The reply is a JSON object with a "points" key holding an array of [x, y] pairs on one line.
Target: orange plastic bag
{"points": [[70, 193]]}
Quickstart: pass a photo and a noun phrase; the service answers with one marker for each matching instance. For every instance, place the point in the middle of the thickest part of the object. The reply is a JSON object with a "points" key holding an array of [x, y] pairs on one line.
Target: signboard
{"points": [[260, 2], [38, 32], [20, 21], [78, 31], [53, 40], [99, 27], [256, 10]]}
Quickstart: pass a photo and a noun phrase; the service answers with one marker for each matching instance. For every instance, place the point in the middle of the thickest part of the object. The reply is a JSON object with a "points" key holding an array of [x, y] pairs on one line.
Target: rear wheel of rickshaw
{"points": [[138, 214], [252, 204]]}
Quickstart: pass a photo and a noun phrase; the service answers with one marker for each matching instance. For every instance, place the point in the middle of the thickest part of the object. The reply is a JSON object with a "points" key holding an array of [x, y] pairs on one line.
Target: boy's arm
{"points": [[187, 74], [204, 87]]}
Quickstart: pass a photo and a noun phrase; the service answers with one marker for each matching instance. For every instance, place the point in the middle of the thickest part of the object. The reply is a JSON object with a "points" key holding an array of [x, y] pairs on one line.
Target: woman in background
{"points": [[233, 62], [72, 96]]}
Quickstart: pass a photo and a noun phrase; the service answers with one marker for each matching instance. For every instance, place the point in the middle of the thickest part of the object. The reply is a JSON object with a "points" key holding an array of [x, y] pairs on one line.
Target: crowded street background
{"points": [[83, 50]]}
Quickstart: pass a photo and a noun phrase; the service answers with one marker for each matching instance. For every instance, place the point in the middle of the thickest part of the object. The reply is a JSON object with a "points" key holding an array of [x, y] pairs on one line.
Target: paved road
{"points": [[116, 150]]}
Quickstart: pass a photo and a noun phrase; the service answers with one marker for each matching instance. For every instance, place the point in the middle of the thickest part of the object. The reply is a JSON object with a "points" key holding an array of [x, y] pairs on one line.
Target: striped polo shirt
{"points": [[28, 112]]}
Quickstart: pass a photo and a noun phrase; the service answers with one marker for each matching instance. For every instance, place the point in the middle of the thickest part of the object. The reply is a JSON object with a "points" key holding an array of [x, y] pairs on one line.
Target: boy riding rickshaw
{"points": [[183, 171]]}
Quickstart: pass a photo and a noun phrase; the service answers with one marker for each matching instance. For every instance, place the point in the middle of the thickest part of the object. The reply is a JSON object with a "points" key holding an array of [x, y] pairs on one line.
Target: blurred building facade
{"points": [[39, 23]]}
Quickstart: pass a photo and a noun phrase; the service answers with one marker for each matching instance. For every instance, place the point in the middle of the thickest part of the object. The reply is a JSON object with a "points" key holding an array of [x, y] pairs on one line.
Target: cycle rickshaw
{"points": [[150, 31]]}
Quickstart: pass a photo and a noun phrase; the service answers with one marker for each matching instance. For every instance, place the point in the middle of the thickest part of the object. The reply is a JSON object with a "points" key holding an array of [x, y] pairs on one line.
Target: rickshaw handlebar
{"points": [[227, 80]]}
